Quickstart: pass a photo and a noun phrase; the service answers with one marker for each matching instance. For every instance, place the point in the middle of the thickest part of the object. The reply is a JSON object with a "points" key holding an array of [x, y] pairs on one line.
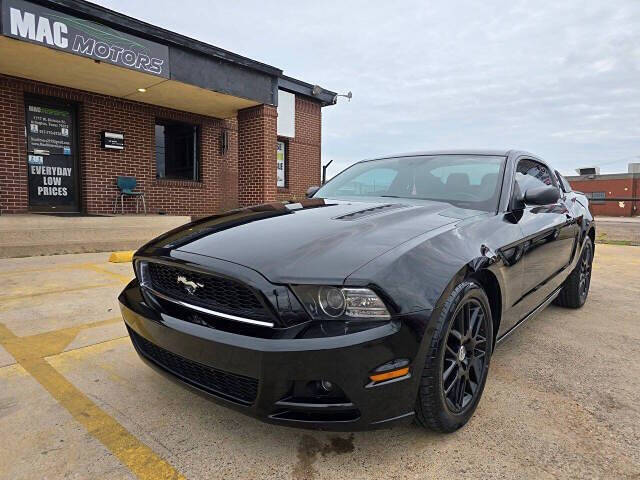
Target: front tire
{"points": [[457, 363], [576, 287]]}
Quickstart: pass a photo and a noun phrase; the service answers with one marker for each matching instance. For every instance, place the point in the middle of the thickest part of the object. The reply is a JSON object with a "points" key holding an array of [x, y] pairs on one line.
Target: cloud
{"points": [[556, 78]]}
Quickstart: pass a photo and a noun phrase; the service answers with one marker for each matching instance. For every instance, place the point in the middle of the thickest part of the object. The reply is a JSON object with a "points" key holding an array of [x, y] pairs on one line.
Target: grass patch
{"points": [[617, 242]]}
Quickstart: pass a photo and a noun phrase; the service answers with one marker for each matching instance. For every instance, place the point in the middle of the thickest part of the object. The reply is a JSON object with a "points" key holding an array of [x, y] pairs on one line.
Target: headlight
{"points": [[337, 303]]}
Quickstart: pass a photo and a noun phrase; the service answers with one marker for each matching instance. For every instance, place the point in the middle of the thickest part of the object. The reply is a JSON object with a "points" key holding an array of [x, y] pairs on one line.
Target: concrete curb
{"points": [[121, 257]]}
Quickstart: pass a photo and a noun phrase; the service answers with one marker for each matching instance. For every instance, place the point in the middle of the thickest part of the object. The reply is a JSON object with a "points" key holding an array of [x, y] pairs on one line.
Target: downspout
{"points": [[635, 180]]}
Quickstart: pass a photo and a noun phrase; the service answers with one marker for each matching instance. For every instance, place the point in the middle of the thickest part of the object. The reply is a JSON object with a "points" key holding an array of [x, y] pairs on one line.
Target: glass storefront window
{"points": [[176, 150]]}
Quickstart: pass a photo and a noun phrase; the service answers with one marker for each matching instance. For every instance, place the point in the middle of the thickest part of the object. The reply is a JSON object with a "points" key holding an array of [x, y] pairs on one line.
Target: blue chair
{"points": [[126, 187]]}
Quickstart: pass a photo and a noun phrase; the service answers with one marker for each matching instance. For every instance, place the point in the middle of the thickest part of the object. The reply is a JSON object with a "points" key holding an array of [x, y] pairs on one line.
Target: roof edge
{"points": [[293, 85], [425, 153], [604, 176], [142, 29]]}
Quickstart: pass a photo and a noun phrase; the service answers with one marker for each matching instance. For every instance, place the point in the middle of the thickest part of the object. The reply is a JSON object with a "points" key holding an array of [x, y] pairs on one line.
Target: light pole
{"points": [[324, 172]]}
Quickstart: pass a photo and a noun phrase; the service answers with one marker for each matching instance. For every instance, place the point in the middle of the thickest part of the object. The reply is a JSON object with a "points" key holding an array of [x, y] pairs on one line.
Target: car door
{"points": [[549, 237]]}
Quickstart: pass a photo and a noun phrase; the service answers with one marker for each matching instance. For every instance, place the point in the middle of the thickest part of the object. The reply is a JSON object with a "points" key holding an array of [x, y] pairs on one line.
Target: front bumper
{"points": [[264, 370]]}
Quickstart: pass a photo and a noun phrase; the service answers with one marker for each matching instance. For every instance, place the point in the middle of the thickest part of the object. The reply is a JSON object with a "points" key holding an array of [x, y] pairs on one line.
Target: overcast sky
{"points": [[560, 79]]}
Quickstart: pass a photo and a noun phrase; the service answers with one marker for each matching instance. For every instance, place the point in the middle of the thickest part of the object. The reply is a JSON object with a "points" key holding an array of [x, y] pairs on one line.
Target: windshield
{"points": [[467, 181]]}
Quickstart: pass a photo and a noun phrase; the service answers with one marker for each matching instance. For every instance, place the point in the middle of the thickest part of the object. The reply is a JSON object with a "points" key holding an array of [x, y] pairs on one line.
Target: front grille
{"points": [[234, 387], [217, 293]]}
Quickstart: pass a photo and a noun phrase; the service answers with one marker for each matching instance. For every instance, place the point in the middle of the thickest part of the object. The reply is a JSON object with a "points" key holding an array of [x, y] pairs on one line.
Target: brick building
{"points": [[88, 95], [614, 195]]}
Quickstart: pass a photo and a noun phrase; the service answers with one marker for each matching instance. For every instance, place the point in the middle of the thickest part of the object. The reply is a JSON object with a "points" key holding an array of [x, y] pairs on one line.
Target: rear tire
{"points": [[575, 288], [457, 361]]}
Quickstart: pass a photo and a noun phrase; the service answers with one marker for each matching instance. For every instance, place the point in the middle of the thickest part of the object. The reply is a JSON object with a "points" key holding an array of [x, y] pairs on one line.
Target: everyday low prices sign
{"points": [[51, 156], [51, 181], [33, 23]]}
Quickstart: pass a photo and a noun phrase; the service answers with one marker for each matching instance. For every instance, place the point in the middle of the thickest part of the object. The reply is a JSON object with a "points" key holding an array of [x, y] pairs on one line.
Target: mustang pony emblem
{"points": [[189, 285]]}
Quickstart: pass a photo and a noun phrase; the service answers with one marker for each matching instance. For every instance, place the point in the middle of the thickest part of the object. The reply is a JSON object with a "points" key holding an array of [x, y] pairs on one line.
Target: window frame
{"points": [[515, 188], [563, 183], [197, 175]]}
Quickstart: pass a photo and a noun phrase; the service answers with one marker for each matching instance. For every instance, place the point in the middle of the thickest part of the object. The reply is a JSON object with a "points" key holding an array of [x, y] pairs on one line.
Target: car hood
{"points": [[315, 240]]}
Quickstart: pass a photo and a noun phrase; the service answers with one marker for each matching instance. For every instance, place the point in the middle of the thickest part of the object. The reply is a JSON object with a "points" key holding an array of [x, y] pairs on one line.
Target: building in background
{"points": [[88, 94], [613, 194]]}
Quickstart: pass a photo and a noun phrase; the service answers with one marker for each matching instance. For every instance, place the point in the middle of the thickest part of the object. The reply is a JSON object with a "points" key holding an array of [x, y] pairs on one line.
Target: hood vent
{"points": [[370, 211]]}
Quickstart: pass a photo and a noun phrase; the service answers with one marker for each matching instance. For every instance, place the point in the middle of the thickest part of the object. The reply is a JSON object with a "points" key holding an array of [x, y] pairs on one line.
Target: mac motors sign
{"points": [[40, 25]]}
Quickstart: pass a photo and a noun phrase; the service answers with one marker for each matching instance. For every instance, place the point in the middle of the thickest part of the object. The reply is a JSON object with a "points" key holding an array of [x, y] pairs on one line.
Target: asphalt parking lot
{"points": [[562, 398]]}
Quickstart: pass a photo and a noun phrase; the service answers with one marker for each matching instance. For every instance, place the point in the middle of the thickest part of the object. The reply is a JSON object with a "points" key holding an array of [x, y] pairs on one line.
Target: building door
{"points": [[52, 156]]}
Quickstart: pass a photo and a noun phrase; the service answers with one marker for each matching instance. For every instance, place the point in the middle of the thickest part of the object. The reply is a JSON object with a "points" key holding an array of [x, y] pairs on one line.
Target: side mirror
{"points": [[312, 191], [542, 195]]}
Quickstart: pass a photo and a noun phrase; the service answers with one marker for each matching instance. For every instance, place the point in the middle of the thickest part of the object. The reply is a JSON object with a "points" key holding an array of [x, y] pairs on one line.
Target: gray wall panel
{"points": [[212, 74]]}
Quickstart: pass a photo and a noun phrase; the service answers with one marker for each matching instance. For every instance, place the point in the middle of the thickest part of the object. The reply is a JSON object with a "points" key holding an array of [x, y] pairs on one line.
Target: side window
{"points": [[564, 184], [532, 174]]}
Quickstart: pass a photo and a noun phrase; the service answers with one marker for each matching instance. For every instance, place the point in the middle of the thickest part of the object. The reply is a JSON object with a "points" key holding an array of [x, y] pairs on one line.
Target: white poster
{"points": [[286, 114]]}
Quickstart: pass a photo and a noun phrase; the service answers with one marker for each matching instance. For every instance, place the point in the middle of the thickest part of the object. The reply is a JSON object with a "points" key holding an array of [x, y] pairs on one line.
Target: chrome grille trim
{"points": [[206, 310]]}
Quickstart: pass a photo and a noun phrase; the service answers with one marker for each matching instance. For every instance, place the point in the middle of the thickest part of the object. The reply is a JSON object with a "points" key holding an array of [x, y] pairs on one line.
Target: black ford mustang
{"points": [[378, 299]]}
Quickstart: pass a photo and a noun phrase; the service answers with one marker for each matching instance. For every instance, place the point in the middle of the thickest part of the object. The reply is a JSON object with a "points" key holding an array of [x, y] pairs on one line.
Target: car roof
{"points": [[486, 152]]}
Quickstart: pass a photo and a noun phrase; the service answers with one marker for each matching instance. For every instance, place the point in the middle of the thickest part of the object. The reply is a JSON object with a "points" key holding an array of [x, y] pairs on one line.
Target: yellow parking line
{"points": [[85, 266], [30, 351], [63, 333], [84, 326], [118, 276], [53, 268], [52, 291]]}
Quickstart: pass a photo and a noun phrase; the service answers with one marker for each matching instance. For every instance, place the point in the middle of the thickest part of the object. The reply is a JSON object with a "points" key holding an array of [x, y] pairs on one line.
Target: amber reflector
{"points": [[379, 377]]}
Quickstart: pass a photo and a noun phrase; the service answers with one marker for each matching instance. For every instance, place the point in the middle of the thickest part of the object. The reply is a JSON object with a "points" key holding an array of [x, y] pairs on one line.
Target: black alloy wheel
{"points": [[585, 272], [457, 361], [465, 356]]}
